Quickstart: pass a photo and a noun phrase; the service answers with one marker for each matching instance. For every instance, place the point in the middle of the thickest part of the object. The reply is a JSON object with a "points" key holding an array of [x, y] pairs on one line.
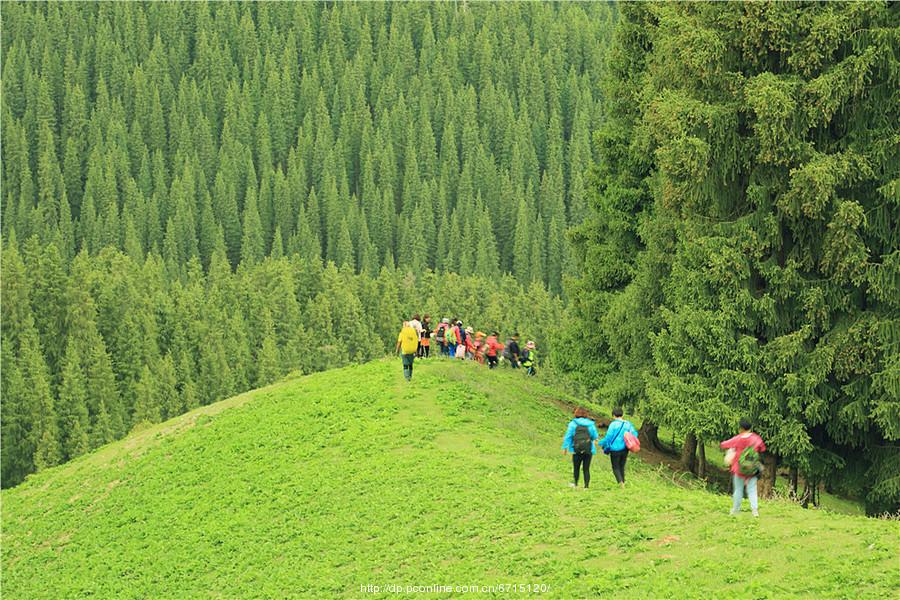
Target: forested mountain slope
{"points": [[451, 136], [176, 175], [322, 484]]}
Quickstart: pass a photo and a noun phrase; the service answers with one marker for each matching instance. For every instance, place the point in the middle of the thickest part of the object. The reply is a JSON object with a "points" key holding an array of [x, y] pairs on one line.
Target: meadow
{"points": [[334, 483]]}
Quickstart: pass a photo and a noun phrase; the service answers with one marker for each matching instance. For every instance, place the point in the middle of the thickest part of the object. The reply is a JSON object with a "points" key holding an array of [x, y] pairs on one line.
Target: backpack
{"points": [[506, 353], [581, 442], [528, 358], [439, 334], [749, 463], [451, 337]]}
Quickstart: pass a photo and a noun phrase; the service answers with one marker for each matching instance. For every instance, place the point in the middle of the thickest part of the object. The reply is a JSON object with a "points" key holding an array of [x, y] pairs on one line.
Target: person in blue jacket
{"points": [[613, 443], [579, 440]]}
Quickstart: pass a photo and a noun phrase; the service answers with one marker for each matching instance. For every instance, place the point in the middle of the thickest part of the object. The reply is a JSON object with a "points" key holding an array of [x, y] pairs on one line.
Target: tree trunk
{"points": [[767, 481], [701, 459], [688, 451], [794, 478], [807, 493], [648, 436]]}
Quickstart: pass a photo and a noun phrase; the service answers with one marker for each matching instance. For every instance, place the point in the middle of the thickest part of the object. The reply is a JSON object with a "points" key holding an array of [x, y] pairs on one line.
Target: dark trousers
{"points": [[408, 365], [514, 362], [492, 361], [582, 462], [424, 351], [618, 458]]}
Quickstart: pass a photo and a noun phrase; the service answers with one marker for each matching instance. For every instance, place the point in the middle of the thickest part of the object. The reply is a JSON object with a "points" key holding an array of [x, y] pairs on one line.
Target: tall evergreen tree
{"points": [[72, 407]]}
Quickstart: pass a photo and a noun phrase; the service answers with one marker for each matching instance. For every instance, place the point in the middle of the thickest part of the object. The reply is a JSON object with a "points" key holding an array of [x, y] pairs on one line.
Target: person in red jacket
{"points": [[470, 343], [492, 347], [479, 347], [745, 439]]}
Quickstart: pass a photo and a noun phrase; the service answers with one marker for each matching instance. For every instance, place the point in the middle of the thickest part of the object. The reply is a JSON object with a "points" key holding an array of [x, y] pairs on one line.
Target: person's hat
{"points": [[469, 330], [479, 334], [530, 344], [459, 323], [445, 320]]}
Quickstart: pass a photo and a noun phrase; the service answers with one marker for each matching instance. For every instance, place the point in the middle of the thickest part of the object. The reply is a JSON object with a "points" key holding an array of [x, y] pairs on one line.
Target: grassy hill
{"points": [[319, 485]]}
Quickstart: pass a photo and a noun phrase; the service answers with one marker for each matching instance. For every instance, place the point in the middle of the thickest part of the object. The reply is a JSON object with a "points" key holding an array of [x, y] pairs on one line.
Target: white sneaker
{"points": [[573, 485]]}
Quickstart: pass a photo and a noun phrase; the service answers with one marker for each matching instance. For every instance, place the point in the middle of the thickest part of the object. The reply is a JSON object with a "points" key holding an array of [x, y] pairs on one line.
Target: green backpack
{"points": [[451, 336], [581, 441], [749, 463]]}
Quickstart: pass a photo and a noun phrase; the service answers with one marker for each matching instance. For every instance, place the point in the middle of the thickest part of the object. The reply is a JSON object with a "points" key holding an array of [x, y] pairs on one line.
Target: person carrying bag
{"points": [[613, 443], [743, 458], [579, 440]]}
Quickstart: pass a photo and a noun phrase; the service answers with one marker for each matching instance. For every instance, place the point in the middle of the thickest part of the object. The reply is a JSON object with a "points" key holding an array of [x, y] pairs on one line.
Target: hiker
{"points": [[470, 343], [744, 449], [579, 440], [529, 358], [479, 347], [462, 345], [492, 347], [452, 338], [613, 443], [512, 350], [407, 344], [425, 338], [440, 335]]}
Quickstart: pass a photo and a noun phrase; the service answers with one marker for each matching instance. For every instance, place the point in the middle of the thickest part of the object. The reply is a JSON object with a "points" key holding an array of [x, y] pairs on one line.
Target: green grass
{"points": [[319, 485]]}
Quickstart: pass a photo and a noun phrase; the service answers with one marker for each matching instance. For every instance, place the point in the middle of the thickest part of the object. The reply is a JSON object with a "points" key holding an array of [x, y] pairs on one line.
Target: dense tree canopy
{"points": [[742, 256], [368, 134]]}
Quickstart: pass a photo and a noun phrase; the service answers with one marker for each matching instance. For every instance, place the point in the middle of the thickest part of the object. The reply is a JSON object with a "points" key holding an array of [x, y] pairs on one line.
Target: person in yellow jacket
{"points": [[407, 345]]}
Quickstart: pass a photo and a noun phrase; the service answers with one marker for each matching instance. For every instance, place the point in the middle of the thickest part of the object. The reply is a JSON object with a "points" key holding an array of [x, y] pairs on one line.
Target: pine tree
{"points": [[48, 302], [252, 244], [165, 382], [267, 358], [522, 264], [486, 248], [344, 253], [537, 253], [17, 450], [38, 399], [72, 406], [146, 404]]}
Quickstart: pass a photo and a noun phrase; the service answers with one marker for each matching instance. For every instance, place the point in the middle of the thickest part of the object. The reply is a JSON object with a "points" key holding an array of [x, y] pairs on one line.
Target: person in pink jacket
{"points": [[745, 439]]}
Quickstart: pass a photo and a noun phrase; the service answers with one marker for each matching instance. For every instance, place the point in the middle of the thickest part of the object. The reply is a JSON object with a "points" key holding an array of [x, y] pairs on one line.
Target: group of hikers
{"points": [[582, 440], [451, 339]]}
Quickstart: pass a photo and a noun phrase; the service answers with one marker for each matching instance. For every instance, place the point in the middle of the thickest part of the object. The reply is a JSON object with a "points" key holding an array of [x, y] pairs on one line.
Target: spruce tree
{"points": [[252, 243], [165, 384], [74, 423], [146, 403]]}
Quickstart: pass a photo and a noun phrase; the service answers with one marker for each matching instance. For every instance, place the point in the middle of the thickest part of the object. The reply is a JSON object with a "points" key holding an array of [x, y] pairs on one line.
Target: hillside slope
{"points": [[322, 484]]}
